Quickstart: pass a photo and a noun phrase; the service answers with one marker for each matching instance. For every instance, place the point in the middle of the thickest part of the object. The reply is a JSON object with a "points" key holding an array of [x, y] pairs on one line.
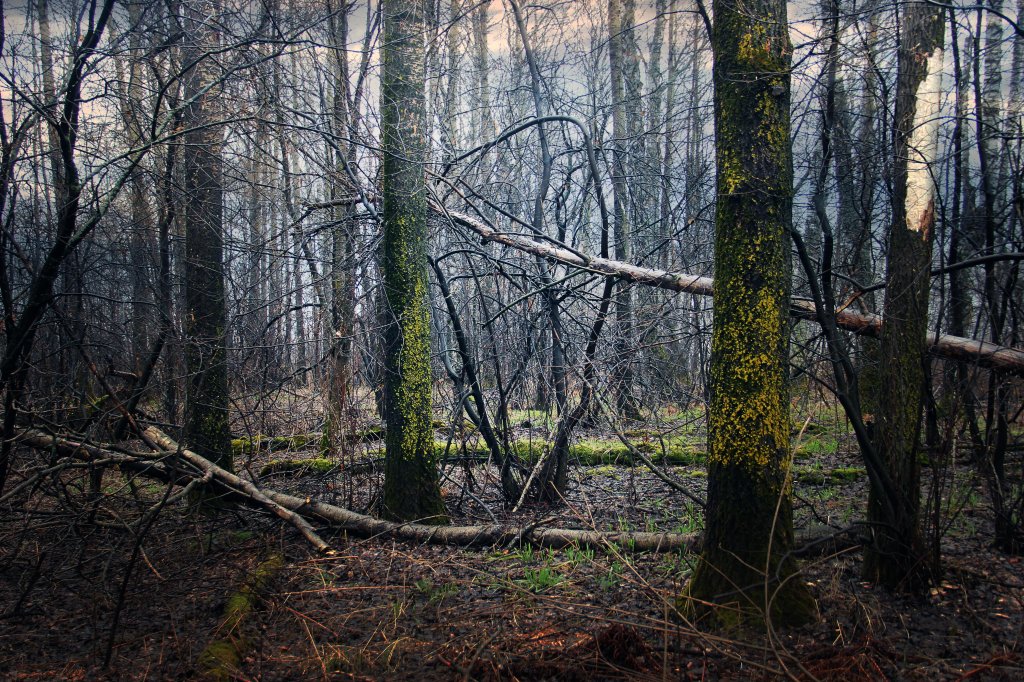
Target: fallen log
{"points": [[237, 484], [162, 465], [483, 536], [981, 353], [146, 464], [294, 509]]}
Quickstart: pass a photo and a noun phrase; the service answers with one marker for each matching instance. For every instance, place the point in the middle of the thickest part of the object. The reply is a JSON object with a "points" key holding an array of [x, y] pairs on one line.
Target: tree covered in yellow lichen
{"points": [[744, 571], [411, 488]]}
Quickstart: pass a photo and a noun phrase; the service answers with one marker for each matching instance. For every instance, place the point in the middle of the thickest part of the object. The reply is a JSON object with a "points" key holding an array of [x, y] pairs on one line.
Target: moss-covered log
{"points": [[745, 573], [221, 659], [411, 489]]}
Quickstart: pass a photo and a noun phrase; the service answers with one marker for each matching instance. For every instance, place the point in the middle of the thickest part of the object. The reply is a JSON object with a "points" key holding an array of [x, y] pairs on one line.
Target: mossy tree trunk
{"points": [[897, 557], [411, 489], [207, 431], [744, 572]]}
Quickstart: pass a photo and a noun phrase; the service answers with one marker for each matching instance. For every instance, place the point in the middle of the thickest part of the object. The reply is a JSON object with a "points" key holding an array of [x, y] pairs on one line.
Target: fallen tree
{"points": [[981, 353], [169, 462], [172, 462]]}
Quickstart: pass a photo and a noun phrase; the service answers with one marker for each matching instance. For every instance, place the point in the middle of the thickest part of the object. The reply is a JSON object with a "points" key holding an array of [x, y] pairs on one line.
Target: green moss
{"points": [[742, 614], [677, 451], [834, 477], [220, 659], [848, 473], [593, 452], [607, 470], [411, 488], [299, 467]]}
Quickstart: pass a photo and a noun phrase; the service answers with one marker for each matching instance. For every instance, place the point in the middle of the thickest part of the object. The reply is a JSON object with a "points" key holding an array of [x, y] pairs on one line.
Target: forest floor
{"points": [[386, 610]]}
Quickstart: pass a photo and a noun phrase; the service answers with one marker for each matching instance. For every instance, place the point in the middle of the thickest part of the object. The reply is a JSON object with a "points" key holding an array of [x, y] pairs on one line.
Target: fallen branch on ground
{"points": [[184, 466], [238, 484]]}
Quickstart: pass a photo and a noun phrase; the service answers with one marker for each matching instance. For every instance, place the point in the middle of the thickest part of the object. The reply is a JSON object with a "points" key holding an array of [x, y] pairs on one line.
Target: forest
{"points": [[493, 340]]}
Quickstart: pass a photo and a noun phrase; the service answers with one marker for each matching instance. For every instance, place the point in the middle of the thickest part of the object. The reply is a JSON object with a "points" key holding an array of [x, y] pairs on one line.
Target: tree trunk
{"points": [[745, 563], [207, 430], [898, 558], [621, 63], [482, 120], [411, 489], [861, 265]]}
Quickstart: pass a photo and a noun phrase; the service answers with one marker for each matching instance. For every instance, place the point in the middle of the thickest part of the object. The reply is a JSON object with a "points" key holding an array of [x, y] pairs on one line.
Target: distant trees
{"points": [[60, 117], [345, 117]]}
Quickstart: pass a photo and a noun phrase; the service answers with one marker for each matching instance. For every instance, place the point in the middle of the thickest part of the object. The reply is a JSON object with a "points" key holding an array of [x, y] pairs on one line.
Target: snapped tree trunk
{"points": [[411, 489], [897, 557], [745, 573]]}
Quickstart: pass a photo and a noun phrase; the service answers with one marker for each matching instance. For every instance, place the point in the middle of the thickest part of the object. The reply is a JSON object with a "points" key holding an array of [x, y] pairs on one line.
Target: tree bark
{"points": [[621, 60], [207, 430], [746, 575], [411, 489], [898, 558]]}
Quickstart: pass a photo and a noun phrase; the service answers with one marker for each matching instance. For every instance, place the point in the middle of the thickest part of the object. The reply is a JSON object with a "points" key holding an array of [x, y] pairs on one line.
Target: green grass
{"points": [[612, 578], [539, 579], [816, 444], [435, 593]]}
